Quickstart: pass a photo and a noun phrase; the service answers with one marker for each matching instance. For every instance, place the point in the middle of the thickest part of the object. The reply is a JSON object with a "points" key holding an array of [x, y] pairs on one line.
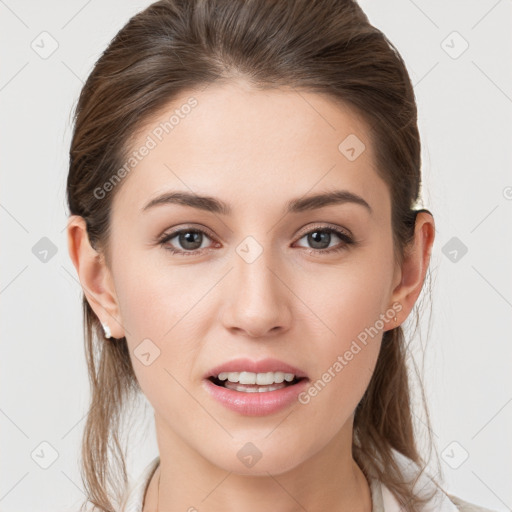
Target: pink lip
{"points": [[257, 403], [248, 365]]}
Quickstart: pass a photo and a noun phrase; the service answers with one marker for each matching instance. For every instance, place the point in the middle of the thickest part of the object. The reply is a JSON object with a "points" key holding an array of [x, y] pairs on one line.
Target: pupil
{"points": [[316, 237], [190, 237]]}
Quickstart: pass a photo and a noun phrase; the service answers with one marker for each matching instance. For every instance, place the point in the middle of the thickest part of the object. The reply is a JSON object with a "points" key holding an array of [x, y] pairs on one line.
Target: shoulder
{"points": [[466, 506]]}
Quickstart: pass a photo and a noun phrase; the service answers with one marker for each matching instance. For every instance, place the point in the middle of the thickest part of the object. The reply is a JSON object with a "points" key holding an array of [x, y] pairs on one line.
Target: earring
{"points": [[106, 328], [395, 319]]}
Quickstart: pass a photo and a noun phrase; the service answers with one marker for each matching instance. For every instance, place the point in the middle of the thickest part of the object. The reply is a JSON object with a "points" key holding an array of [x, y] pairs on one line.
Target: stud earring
{"points": [[106, 328]]}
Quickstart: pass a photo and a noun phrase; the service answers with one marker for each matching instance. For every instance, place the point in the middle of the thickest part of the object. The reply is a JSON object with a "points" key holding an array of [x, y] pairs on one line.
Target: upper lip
{"points": [[261, 366]]}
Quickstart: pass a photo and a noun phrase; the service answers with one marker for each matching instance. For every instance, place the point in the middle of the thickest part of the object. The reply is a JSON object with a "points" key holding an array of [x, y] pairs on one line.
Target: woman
{"points": [[243, 189]]}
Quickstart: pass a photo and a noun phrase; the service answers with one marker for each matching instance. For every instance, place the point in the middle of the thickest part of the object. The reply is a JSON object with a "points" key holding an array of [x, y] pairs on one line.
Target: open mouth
{"points": [[254, 388]]}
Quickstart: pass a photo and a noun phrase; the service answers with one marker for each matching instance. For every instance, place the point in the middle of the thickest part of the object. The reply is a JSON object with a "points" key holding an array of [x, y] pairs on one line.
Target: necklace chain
{"points": [[158, 493]]}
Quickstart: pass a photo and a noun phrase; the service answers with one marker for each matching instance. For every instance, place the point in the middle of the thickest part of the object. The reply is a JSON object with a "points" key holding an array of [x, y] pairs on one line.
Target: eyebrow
{"points": [[301, 204]]}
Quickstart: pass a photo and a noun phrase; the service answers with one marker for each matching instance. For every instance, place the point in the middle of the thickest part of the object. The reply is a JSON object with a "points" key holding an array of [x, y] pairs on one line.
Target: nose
{"points": [[258, 299]]}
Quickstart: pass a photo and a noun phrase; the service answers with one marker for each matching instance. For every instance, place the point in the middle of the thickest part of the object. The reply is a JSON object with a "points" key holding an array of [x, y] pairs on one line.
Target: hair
{"points": [[174, 46]]}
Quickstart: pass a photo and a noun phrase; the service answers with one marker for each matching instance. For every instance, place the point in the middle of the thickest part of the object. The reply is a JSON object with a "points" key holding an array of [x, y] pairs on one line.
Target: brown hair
{"points": [[323, 46]]}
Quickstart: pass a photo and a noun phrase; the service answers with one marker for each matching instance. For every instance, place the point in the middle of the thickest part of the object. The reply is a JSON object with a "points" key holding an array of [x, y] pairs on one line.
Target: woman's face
{"points": [[250, 287]]}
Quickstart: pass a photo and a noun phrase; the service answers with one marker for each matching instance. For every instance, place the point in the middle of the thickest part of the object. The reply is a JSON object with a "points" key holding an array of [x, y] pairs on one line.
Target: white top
{"points": [[382, 498]]}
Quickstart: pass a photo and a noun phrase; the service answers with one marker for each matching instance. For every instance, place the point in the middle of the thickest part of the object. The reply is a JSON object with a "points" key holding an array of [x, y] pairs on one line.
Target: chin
{"points": [[275, 465], [259, 458]]}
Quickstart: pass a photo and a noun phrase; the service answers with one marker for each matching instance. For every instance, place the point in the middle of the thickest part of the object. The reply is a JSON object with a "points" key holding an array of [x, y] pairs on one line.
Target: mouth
{"points": [[248, 376], [255, 388], [250, 382]]}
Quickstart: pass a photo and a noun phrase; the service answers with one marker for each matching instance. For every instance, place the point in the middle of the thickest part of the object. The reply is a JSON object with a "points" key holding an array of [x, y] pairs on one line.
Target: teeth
{"points": [[255, 389], [262, 379]]}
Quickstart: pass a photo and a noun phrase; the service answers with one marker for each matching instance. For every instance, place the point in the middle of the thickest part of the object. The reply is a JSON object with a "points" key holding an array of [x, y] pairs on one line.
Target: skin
{"points": [[255, 150]]}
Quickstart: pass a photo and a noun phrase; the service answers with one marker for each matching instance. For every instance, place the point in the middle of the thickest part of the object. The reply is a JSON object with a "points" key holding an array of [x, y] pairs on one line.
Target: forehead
{"points": [[252, 148]]}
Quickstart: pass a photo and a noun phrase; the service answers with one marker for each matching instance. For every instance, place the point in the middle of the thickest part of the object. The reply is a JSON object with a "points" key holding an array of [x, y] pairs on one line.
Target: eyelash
{"points": [[347, 241]]}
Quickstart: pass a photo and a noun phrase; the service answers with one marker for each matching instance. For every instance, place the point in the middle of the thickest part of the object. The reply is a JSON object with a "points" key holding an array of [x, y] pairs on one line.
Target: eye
{"points": [[190, 239], [320, 238]]}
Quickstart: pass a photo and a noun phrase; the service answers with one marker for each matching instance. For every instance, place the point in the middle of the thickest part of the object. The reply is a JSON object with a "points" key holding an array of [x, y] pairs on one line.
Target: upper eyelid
{"points": [[174, 232], [325, 226]]}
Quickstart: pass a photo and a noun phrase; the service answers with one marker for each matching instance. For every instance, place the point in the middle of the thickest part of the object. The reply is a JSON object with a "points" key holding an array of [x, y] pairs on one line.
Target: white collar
{"points": [[425, 486]]}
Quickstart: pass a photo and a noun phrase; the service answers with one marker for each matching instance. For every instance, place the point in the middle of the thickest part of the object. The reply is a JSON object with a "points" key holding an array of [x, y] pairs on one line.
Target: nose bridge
{"points": [[258, 301]]}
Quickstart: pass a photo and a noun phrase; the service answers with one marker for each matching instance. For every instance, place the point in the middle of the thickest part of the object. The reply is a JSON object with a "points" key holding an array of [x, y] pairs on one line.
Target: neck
{"points": [[328, 480]]}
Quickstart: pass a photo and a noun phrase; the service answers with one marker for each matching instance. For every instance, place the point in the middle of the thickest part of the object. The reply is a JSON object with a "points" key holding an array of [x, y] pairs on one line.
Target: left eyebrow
{"points": [[326, 199], [214, 205]]}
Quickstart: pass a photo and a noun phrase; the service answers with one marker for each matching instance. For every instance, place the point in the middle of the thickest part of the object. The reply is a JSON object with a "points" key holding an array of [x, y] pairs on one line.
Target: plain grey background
{"points": [[458, 55]]}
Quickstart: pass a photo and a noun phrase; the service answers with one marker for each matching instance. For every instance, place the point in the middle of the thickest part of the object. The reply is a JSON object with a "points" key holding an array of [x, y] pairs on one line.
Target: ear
{"points": [[409, 277], [94, 275]]}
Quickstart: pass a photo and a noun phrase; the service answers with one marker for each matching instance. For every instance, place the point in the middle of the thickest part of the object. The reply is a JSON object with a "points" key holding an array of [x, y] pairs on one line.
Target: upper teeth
{"points": [[256, 378]]}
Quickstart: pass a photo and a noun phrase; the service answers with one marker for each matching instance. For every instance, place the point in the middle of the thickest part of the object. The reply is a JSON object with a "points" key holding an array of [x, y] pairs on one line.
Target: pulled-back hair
{"points": [[323, 46]]}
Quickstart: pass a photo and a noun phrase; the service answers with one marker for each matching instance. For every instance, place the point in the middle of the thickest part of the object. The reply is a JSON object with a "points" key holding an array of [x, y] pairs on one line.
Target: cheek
{"points": [[345, 301], [156, 306], [154, 298], [350, 308], [344, 357]]}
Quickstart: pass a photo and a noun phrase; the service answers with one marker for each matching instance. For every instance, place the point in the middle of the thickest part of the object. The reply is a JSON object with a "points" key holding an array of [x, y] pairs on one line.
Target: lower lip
{"points": [[258, 403]]}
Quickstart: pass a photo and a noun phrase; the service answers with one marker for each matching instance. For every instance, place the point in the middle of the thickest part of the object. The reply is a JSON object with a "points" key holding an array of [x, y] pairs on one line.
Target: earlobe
{"points": [[415, 265], [94, 276]]}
